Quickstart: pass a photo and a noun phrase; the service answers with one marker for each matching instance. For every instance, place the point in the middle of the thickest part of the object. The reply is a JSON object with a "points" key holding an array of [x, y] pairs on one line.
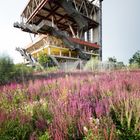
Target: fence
{"points": [[92, 65]]}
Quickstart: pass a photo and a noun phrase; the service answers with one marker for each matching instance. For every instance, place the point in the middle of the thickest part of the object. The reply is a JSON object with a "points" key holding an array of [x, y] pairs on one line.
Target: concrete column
{"points": [[85, 48], [100, 30], [69, 53], [60, 53], [96, 35], [49, 51], [92, 36], [85, 36]]}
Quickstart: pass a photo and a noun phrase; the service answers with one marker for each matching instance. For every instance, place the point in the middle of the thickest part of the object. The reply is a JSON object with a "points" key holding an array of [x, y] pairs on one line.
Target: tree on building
{"points": [[43, 59]]}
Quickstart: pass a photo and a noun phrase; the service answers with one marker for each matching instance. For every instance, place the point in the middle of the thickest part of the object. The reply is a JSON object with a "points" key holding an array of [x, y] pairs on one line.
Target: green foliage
{"points": [[120, 65], [41, 118], [123, 131], [51, 69], [45, 136], [112, 59], [117, 65], [92, 64], [6, 69], [21, 72], [135, 60], [126, 119], [75, 106], [43, 59], [90, 135], [14, 130], [12, 102], [72, 131], [10, 72]]}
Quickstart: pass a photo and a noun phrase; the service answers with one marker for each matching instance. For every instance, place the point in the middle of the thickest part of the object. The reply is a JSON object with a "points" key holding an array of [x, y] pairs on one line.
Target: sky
{"points": [[121, 31]]}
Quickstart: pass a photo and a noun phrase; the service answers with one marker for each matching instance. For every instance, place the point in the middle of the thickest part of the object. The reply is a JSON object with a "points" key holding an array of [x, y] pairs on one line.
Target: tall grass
{"points": [[75, 106]]}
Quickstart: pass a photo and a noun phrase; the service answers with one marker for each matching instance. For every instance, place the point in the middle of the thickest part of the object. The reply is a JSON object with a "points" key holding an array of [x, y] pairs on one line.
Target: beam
{"points": [[81, 42], [38, 8]]}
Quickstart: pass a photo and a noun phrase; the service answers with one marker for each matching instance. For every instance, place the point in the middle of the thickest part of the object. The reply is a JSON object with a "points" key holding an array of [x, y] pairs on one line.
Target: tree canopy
{"points": [[112, 59], [135, 59], [43, 59]]}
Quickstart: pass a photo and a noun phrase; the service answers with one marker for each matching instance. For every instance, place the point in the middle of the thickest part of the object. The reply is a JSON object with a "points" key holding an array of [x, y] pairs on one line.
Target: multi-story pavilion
{"points": [[67, 30]]}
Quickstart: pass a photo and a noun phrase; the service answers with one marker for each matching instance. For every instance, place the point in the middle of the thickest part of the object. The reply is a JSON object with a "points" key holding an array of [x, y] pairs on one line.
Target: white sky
{"points": [[121, 28], [121, 31]]}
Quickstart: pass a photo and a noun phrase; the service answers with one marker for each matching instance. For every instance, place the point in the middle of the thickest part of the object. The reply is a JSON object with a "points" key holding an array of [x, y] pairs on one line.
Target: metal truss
{"points": [[32, 8], [73, 16], [87, 8]]}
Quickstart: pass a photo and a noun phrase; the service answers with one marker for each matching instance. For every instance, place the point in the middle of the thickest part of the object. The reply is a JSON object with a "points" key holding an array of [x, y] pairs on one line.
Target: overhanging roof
{"points": [[38, 10]]}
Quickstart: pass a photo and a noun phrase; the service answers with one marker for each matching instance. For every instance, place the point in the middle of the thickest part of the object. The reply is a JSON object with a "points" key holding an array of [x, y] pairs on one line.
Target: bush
{"points": [[22, 72], [45, 136], [126, 118], [13, 129], [9, 72], [43, 59], [6, 69], [92, 64]]}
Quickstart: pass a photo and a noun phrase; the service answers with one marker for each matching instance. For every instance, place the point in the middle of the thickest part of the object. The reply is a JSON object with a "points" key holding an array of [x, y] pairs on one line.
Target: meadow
{"points": [[72, 106]]}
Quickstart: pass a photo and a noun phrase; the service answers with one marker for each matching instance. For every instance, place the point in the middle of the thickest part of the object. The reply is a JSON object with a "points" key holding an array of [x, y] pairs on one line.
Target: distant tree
{"points": [[112, 59], [135, 60], [117, 65], [120, 65]]}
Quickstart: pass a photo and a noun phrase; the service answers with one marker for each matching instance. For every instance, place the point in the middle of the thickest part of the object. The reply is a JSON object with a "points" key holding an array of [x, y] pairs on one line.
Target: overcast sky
{"points": [[121, 31]]}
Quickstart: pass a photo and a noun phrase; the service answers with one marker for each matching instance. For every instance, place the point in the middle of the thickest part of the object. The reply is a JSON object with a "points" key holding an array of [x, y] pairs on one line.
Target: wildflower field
{"points": [[76, 106]]}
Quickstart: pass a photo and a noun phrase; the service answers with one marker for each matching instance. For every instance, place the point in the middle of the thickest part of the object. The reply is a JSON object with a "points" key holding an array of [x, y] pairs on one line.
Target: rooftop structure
{"points": [[67, 29]]}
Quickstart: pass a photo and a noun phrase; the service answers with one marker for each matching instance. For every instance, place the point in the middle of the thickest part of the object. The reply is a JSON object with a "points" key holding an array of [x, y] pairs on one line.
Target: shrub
{"points": [[22, 72], [14, 130], [43, 59], [45, 136], [6, 69], [92, 64], [10, 72], [126, 118]]}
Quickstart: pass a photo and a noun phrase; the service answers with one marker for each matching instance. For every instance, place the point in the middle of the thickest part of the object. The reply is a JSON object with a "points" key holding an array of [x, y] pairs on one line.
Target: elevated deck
{"points": [[52, 10], [54, 46]]}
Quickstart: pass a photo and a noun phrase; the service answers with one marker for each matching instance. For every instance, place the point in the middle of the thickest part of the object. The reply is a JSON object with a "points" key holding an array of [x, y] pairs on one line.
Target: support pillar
{"points": [[69, 53], [49, 51], [85, 48], [60, 53], [100, 30]]}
